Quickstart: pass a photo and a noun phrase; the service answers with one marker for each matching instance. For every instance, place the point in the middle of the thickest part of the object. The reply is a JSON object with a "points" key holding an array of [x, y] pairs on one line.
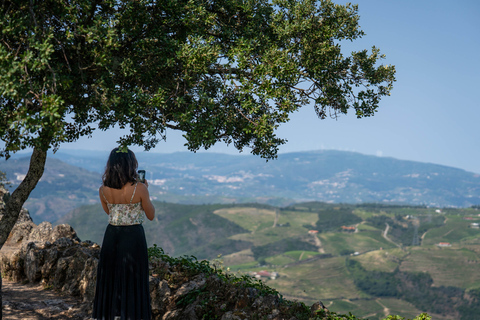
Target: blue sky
{"points": [[433, 112]]}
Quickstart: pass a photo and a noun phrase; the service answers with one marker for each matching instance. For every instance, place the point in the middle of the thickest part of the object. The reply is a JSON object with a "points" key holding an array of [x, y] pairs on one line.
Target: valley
{"points": [[316, 256], [363, 234], [72, 178]]}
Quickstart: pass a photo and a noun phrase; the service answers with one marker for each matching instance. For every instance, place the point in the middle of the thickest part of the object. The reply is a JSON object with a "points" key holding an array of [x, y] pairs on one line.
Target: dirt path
{"points": [[386, 310], [33, 302], [318, 243], [385, 235]]}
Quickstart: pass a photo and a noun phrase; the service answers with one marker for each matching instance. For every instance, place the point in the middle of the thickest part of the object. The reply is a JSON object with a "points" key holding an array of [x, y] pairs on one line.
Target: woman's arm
{"points": [[147, 205], [102, 200]]}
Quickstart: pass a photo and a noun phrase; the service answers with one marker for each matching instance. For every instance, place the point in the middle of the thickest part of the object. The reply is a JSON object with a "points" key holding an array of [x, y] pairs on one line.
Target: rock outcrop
{"points": [[58, 259], [52, 256]]}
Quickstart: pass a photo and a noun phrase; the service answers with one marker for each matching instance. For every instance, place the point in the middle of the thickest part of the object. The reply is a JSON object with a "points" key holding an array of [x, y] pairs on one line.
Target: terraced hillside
{"points": [[371, 260]]}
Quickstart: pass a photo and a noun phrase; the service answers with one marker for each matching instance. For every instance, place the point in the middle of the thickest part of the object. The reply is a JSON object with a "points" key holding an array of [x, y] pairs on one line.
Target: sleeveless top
{"points": [[125, 214]]}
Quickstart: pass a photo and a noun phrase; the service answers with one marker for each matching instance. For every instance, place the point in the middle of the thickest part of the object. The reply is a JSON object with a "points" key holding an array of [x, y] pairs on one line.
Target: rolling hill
{"points": [[360, 233], [374, 268], [72, 177], [62, 187]]}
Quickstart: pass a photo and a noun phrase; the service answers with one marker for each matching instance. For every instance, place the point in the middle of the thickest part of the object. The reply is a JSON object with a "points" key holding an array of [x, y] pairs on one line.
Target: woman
{"points": [[122, 290]]}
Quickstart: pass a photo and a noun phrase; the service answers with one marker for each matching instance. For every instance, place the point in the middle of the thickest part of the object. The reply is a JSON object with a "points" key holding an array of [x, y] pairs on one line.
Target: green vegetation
{"points": [[368, 240], [405, 228], [3, 179], [182, 229], [415, 288], [226, 71], [189, 266], [449, 266], [381, 260], [377, 309], [375, 283], [320, 279], [454, 230], [301, 255], [332, 219], [362, 271], [290, 244]]}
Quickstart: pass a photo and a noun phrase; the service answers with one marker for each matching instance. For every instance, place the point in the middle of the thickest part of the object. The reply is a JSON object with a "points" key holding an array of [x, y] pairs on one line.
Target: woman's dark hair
{"points": [[121, 169]]}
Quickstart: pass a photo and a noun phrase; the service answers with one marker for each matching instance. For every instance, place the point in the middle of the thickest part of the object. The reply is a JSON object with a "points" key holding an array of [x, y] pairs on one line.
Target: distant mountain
{"points": [[62, 187], [330, 176], [72, 178]]}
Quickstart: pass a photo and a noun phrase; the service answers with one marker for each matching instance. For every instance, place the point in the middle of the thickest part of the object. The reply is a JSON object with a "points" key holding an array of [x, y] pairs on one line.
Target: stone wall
{"points": [[52, 256]]}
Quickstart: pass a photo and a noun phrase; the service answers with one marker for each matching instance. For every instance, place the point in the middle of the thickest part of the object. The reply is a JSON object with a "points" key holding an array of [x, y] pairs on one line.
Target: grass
{"points": [[405, 309], [249, 218], [255, 219], [243, 266], [381, 260], [336, 242], [399, 307], [447, 266], [455, 229], [290, 257], [301, 255], [376, 309], [366, 227], [270, 234], [300, 218], [364, 214], [260, 221], [322, 279], [361, 308], [244, 257], [279, 260]]}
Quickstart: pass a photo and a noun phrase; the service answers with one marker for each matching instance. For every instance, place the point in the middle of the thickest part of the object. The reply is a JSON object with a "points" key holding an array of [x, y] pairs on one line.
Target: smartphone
{"points": [[141, 175]]}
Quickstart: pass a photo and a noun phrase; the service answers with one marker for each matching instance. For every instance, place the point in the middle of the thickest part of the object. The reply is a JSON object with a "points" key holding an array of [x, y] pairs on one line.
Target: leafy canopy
{"points": [[230, 70]]}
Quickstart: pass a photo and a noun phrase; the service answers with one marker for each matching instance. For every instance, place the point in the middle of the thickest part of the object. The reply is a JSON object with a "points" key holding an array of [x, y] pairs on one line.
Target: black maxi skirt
{"points": [[122, 289]]}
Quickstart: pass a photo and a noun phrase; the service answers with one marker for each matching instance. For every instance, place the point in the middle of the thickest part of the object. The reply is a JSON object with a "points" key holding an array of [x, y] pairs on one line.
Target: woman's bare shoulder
{"points": [[142, 188]]}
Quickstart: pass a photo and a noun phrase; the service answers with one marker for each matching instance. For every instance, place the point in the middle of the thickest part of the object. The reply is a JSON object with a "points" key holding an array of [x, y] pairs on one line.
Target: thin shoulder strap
{"points": [[133, 194], [104, 195]]}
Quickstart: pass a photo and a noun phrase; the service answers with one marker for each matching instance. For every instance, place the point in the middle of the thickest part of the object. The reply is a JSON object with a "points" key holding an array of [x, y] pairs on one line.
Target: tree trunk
{"points": [[15, 202]]}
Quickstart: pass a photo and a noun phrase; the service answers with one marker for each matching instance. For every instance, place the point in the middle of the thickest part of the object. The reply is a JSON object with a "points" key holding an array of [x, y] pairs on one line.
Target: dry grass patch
{"points": [[381, 260], [248, 218], [237, 258]]}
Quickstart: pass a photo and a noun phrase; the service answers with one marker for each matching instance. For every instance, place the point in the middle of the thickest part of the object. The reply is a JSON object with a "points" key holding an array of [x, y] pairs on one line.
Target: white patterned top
{"points": [[125, 214]]}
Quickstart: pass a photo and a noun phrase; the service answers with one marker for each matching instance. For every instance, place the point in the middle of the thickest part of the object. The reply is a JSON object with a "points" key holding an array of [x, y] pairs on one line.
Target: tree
{"points": [[226, 70]]}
